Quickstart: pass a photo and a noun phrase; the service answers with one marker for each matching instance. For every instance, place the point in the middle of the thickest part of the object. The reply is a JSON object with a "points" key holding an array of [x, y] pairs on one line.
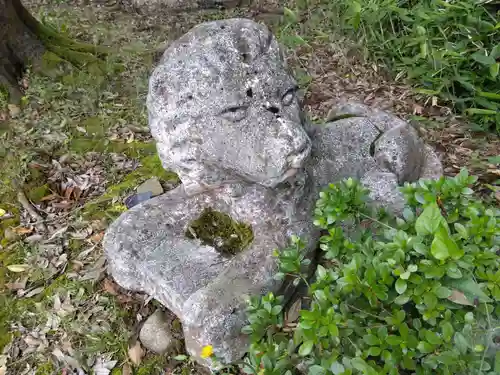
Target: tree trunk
{"points": [[24, 41], [19, 45]]}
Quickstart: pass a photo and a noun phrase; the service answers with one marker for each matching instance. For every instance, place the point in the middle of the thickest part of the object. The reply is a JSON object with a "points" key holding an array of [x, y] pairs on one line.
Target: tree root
{"points": [[53, 39]]}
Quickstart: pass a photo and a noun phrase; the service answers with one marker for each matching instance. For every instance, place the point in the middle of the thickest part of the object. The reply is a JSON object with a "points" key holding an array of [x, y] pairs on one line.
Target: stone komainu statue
{"points": [[225, 115]]}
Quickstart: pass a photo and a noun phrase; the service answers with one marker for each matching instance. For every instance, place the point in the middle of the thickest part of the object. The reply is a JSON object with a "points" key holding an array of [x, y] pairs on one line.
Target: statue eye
{"points": [[289, 96], [235, 113]]}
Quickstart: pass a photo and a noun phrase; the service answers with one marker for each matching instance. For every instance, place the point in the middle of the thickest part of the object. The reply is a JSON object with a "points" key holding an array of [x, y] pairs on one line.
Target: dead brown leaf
{"points": [[460, 298], [63, 205], [124, 299], [110, 287], [293, 313], [22, 230], [68, 192], [96, 238], [126, 370], [18, 284], [49, 197], [135, 353], [417, 109]]}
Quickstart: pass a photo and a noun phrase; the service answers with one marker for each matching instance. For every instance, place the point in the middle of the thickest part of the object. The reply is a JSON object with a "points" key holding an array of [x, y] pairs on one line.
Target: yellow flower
{"points": [[207, 351]]}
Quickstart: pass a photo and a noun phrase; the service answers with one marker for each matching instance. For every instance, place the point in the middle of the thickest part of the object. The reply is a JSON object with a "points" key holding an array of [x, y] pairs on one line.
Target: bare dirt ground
{"points": [[80, 145]]}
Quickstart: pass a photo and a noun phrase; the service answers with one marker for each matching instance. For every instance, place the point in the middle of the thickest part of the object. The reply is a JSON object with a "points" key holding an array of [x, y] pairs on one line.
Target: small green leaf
{"points": [[371, 340], [393, 340], [425, 347], [461, 230], [430, 300], [469, 317], [454, 272], [321, 272], [417, 324], [494, 69], [401, 300], [276, 310], [429, 220], [494, 160], [443, 292], [447, 331], [483, 59], [247, 330], [333, 329], [306, 348], [380, 293], [316, 370], [413, 268], [382, 333], [400, 316], [401, 286], [404, 331], [279, 276], [405, 275], [433, 338], [489, 95], [460, 342], [497, 362], [181, 357], [290, 15], [337, 368], [374, 351], [18, 267], [480, 111], [439, 248], [420, 248]]}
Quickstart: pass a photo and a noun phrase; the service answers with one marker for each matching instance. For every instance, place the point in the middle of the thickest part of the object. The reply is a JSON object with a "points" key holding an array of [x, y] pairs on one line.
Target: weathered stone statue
{"points": [[224, 112]]}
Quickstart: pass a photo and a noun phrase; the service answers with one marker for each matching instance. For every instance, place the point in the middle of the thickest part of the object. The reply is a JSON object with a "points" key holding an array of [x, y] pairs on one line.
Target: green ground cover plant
{"points": [[447, 49], [411, 295]]}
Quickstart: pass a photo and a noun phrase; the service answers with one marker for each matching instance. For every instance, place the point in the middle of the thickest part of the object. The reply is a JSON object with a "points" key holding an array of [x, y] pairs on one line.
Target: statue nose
{"points": [[293, 133]]}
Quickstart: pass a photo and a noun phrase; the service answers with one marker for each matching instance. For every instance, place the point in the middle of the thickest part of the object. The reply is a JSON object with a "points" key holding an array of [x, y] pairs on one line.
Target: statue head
{"points": [[223, 106]]}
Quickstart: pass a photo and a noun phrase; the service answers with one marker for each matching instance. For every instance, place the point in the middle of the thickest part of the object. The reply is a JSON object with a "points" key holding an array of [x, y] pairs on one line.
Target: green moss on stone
{"points": [[218, 230], [81, 144], [105, 206]]}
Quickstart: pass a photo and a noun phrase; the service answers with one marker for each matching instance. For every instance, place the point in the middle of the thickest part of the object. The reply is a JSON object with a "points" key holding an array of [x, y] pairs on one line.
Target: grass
{"points": [[88, 125], [446, 49]]}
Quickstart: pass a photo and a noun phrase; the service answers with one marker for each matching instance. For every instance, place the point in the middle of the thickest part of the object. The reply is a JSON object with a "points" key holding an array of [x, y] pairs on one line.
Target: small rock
{"points": [[152, 185], [34, 238], [155, 334], [135, 199]]}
